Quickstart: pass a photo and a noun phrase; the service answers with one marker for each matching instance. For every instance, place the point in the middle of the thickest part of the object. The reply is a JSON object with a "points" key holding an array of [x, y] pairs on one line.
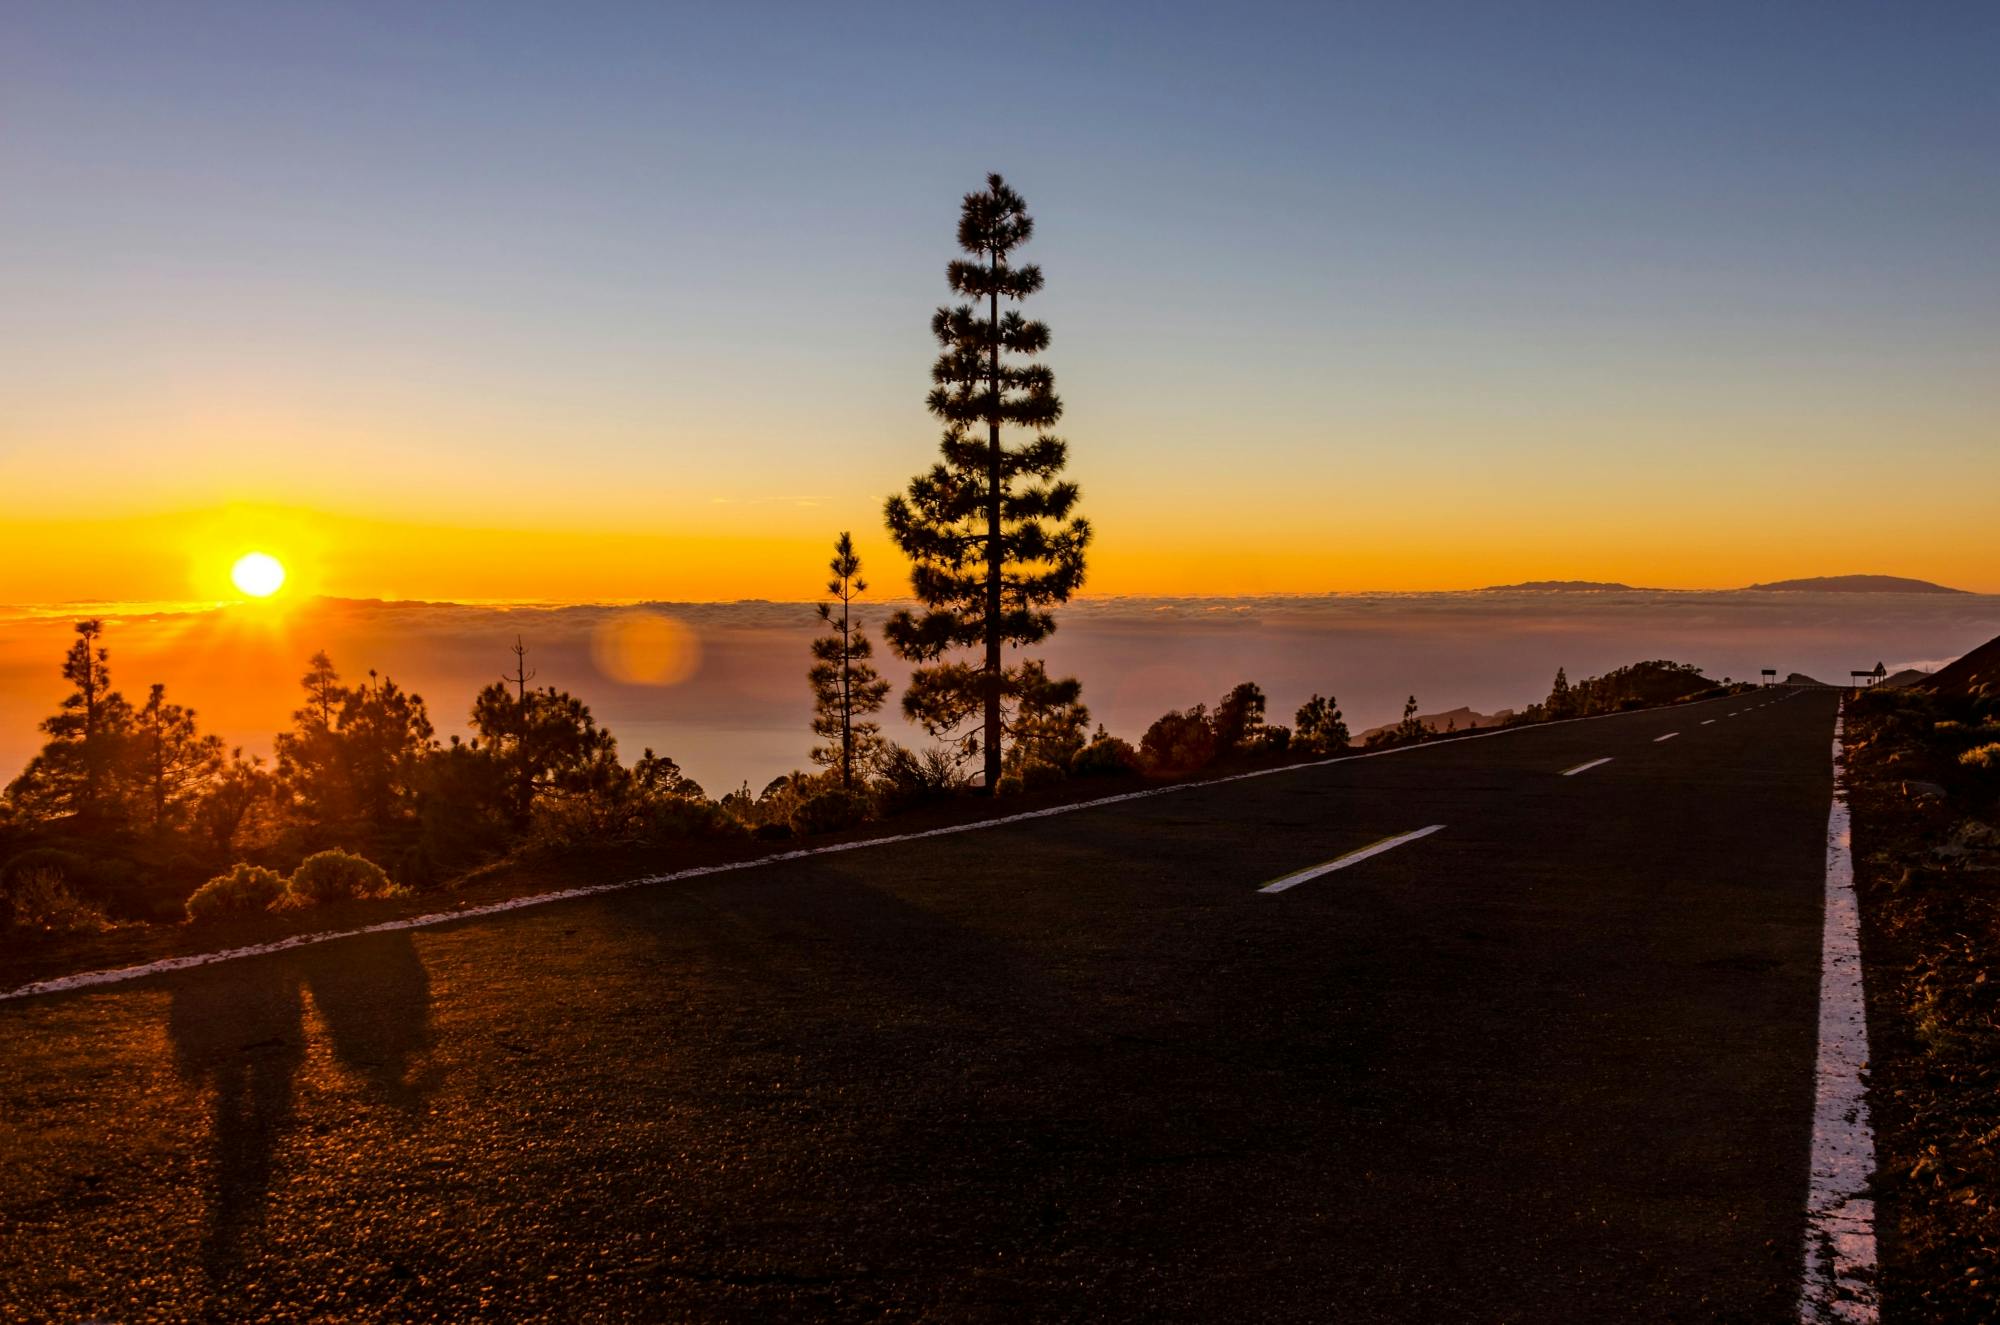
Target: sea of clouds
{"points": [[721, 686]]}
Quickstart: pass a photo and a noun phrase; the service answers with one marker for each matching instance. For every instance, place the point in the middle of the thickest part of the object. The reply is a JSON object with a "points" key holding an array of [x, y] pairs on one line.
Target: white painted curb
{"points": [[1839, 1283]]}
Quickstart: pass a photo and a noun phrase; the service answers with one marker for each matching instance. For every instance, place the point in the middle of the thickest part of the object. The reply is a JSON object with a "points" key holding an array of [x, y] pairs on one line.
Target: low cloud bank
{"points": [[735, 707]]}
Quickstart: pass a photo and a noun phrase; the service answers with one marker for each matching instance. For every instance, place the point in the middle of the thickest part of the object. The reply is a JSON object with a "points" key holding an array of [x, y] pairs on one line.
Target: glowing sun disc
{"points": [[257, 574]]}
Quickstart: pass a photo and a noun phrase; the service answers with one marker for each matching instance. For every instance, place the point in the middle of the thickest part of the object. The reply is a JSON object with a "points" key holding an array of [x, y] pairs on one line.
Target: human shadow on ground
{"points": [[239, 1034]]}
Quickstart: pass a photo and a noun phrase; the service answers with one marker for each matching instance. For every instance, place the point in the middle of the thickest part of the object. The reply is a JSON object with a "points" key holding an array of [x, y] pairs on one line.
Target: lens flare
{"points": [[645, 648]]}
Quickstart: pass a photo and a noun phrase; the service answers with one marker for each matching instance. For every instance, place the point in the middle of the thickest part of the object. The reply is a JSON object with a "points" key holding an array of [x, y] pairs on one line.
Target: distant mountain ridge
{"points": [[1460, 719], [1854, 584], [1815, 584], [1563, 586]]}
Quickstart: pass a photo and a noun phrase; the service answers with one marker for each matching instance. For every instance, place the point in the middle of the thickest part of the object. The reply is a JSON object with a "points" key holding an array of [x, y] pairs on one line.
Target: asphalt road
{"points": [[1552, 1062]]}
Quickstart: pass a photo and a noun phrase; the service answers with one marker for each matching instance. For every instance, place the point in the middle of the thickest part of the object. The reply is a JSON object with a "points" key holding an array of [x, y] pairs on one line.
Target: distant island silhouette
{"points": [[1855, 584], [1816, 584], [1564, 586]]}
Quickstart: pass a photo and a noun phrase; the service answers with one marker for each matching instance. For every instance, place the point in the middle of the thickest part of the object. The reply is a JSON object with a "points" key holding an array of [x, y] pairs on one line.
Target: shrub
{"points": [[37, 903], [1009, 785], [1105, 756], [562, 823], [828, 812], [675, 818], [1271, 739], [244, 889], [67, 866], [1178, 742], [904, 778], [1982, 758], [336, 876], [1038, 775]]}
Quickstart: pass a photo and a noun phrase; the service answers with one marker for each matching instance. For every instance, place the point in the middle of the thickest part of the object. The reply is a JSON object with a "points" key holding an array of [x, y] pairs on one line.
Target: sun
{"points": [[258, 574]]}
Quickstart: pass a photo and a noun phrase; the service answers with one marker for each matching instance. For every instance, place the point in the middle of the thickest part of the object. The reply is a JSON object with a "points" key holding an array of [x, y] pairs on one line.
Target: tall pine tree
{"points": [[846, 687], [990, 531]]}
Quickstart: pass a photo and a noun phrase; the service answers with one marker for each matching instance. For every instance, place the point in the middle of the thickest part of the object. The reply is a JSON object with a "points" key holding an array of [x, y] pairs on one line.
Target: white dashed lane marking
{"points": [[1351, 858], [1580, 768]]}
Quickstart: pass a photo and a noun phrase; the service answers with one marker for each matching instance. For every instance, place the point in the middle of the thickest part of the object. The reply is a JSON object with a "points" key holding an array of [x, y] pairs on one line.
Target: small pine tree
{"points": [[990, 531], [1561, 703], [1410, 729], [1238, 717], [1049, 724], [386, 735], [846, 687], [310, 770], [546, 742], [171, 762], [1321, 728]]}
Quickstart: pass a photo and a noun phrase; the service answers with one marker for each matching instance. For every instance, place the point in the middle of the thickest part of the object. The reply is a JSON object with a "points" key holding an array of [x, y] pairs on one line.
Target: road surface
{"points": [[1552, 1060]]}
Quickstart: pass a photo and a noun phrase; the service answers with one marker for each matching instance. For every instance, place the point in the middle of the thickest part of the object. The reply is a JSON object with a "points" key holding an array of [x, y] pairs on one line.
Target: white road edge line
{"points": [[167, 965], [1839, 1281], [1668, 737], [1581, 768], [1351, 858]]}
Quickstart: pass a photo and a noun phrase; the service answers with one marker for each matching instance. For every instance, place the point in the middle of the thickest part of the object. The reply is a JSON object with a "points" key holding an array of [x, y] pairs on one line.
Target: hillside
{"points": [[1853, 584], [1978, 671]]}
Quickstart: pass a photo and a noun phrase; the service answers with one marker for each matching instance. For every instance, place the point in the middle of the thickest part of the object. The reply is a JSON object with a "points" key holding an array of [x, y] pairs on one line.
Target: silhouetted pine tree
{"points": [[547, 742], [846, 687], [386, 735], [990, 531], [77, 775], [1561, 703], [1321, 728], [1409, 729], [171, 762], [1238, 716], [238, 786], [310, 767], [1050, 724]]}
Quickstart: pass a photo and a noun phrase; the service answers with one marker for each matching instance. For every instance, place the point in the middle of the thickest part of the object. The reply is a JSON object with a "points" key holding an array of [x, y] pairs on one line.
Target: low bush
{"points": [[1039, 775], [677, 818], [828, 811], [67, 866], [905, 778], [1982, 759], [1270, 739], [1105, 756], [336, 876], [245, 889], [36, 903]]}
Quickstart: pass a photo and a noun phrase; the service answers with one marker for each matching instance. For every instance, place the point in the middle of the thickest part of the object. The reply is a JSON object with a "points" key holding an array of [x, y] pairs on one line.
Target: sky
{"points": [[592, 302]]}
